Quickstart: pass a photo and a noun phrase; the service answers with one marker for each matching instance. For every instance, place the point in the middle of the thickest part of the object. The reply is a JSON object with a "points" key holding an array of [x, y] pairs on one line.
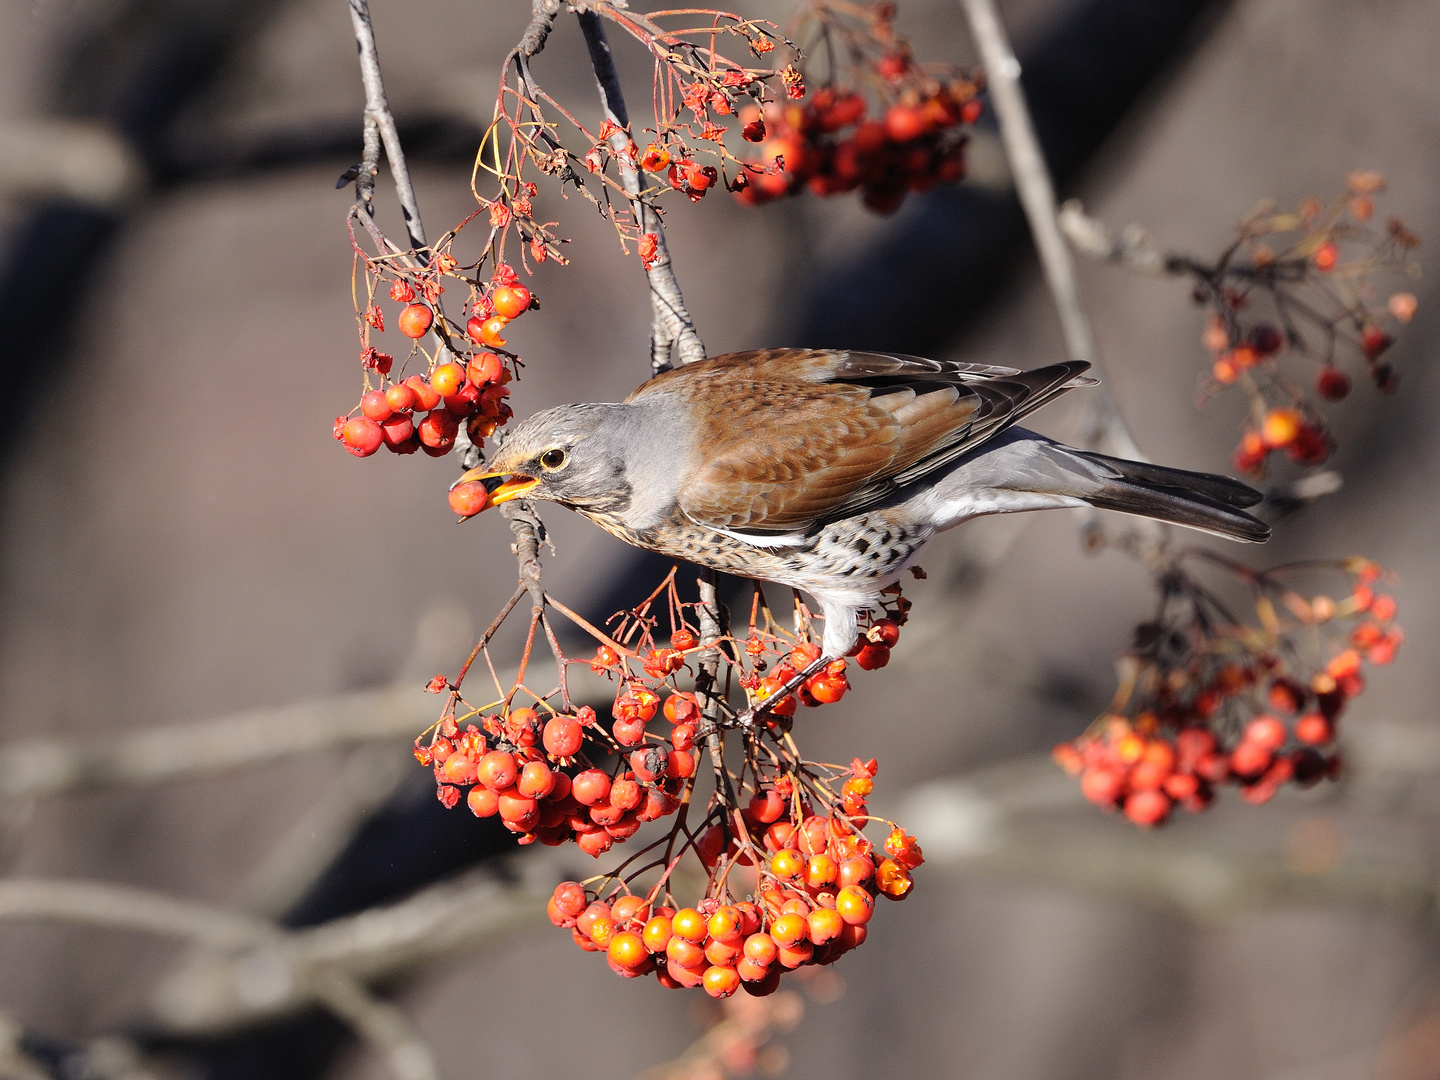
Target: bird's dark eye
{"points": [[553, 459]]}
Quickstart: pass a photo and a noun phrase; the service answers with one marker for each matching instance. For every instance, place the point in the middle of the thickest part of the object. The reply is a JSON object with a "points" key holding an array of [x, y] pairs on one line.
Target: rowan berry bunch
{"points": [[1294, 302], [787, 888], [1206, 699], [879, 122], [781, 839], [696, 89], [466, 376]]}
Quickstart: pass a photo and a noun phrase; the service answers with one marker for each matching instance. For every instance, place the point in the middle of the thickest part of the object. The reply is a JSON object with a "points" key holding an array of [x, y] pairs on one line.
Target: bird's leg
{"points": [[747, 719]]}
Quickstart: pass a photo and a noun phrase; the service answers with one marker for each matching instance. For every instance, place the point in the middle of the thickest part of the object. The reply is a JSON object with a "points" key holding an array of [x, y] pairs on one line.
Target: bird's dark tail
{"points": [[1205, 501]]}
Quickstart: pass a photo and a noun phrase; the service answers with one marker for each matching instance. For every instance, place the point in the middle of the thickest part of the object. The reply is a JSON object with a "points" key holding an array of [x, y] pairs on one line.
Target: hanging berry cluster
{"points": [[879, 123], [465, 379], [790, 876], [1206, 700], [1294, 302]]}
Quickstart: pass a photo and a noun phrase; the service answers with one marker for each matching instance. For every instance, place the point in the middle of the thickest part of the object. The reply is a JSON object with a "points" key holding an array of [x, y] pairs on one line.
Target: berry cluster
{"points": [[815, 882], [536, 777], [1255, 707], [784, 831], [424, 412], [1297, 289], [834, 144]]}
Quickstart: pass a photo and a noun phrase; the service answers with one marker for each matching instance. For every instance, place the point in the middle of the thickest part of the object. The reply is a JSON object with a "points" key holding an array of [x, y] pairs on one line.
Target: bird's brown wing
{"points": [[792, 439]]}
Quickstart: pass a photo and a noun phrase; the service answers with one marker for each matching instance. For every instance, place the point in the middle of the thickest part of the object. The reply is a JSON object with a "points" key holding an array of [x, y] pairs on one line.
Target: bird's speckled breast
{"points": [[855, 553]]}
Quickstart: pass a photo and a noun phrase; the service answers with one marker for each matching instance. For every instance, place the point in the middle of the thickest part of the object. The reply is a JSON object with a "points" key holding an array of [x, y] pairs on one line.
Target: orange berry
{"points": [[721, 954], [685, 976], [497, 770], [894, 880], [467, 500], [1281, 427], [602, 930], [447, 379], [787, 864], [685, 953], [750, 971], [790, 929], [825, 925], [820, 870], [854, 905], [760, 948], [690, 925], [482, 801], [855, 870], [1314, 729], [627, 950], [792, 956], [720, 982], [490, 331], [415, 320], [1147, 807], [630, 908], [1326, 256], [511, 301], [657, 933], [724, 925]]}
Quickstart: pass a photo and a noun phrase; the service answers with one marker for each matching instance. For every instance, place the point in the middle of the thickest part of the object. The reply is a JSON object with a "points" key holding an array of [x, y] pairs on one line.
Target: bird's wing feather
{"points": [[791, 439]]}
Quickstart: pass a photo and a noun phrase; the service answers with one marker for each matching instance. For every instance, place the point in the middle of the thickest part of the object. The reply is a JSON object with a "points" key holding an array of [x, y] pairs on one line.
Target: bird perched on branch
{"points": [[829, 471]]}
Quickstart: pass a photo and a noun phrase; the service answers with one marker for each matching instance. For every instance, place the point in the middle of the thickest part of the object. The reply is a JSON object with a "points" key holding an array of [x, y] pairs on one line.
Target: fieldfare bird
{"points": [[829, 471]]}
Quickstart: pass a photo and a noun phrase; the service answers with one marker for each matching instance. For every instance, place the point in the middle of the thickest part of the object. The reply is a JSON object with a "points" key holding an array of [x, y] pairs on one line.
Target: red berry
{"points": [[401, 292], [361, 437], [400, 398], [1266, 731], [425, 398], [902, 123], [1314, 729], [1333, 384], [485, 367], [1147, 807], [374, 405], [511, 301], [590, 787], [415, 320], [1326, 256], [497, 770], [398, 431], [872, 657], [467, 500], [490, 331], [563, 736], [438, 430]]}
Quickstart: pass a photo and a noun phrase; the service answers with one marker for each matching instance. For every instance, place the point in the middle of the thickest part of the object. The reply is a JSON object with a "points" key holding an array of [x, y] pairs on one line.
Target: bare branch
{"points": [[383, 1026], [672, 334], [1107, 428], [48, 766], [377, 113]]}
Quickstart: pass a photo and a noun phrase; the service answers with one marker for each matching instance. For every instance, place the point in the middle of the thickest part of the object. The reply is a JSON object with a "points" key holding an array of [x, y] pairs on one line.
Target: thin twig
{"points": [[672, 334], [377, 113], [1106, 428]]}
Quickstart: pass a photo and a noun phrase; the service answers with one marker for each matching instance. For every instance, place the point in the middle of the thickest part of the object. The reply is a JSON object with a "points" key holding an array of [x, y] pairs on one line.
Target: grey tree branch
{"points": [[49, 766], [1106, 427], [672, 335], [377, 113]]}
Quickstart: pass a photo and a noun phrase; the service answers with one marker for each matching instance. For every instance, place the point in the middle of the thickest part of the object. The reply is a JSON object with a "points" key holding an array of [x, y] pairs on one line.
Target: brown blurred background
{"points": [[181, 540]]}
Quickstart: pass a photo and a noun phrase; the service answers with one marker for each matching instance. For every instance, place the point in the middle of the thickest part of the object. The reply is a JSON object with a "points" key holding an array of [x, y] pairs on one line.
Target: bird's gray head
{"points": [[574, 455]]}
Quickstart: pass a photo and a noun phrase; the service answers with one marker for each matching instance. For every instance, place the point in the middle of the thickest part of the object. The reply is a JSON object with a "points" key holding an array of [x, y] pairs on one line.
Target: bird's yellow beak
{"points": [[500, 488]]}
